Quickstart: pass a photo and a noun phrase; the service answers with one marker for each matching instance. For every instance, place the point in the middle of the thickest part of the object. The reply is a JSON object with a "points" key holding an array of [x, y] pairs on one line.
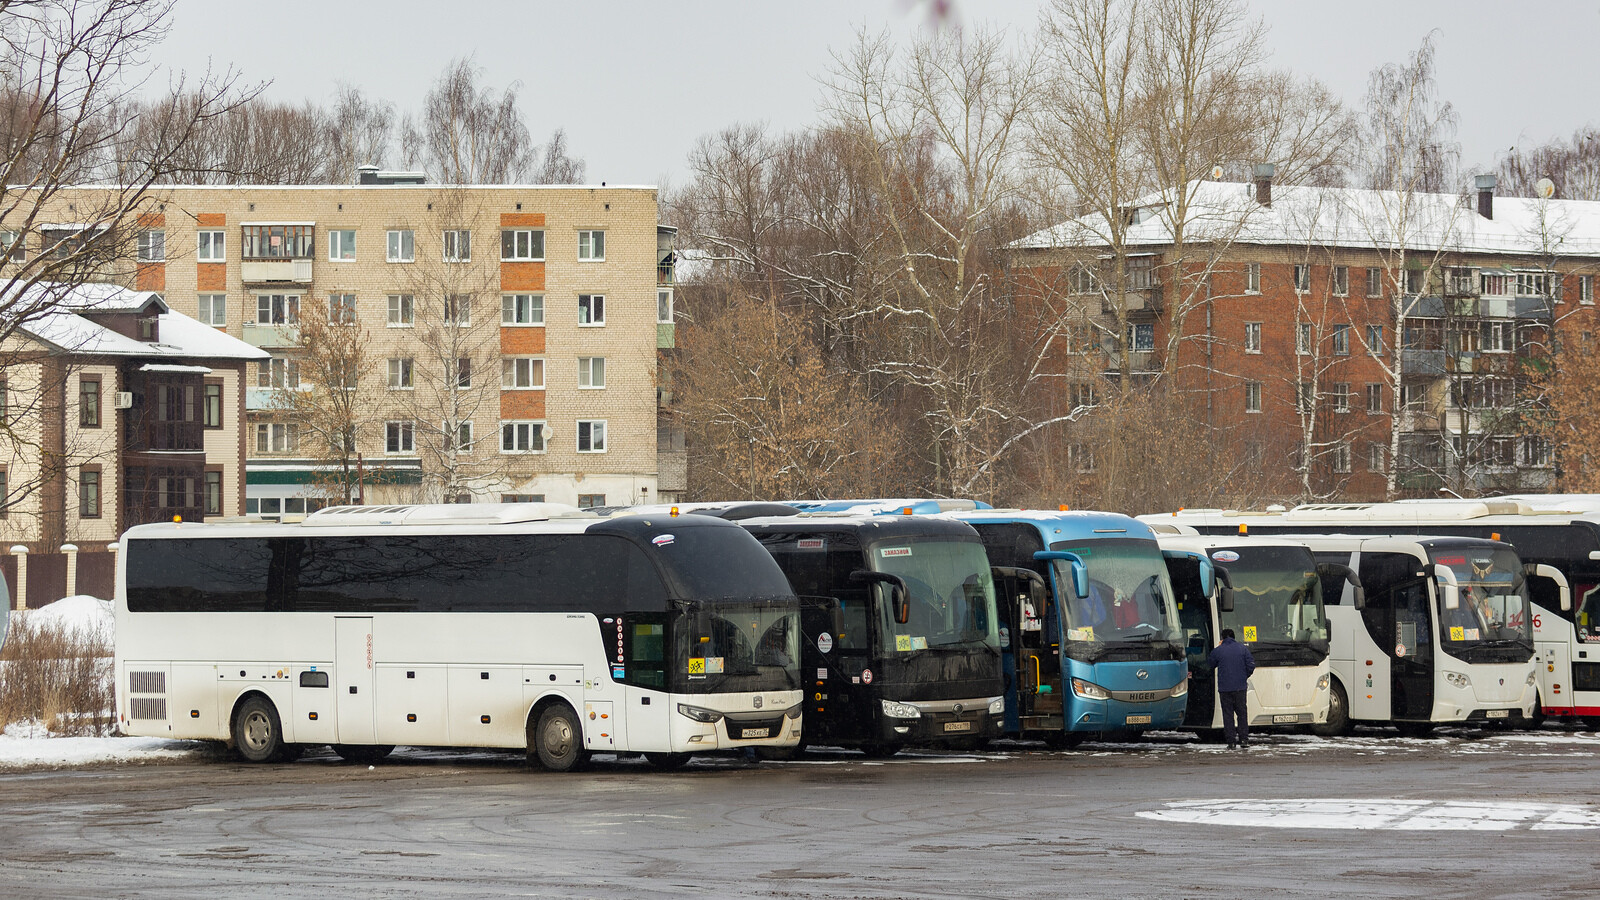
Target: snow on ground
{"points": [[88, 616], [29, 745]]}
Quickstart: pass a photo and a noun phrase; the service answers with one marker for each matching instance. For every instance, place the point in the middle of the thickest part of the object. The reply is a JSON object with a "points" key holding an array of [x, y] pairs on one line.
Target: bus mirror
{"points": [[836, 618], [899, 596], [1080, 573], [902, 604], [1327, 571], [1449, 589], [1554, 574], [1208, 575], [1224, 590]]}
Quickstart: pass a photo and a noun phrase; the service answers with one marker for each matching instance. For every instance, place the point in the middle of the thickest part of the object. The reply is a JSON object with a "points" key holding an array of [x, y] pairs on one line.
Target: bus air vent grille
{"points": [[147, 683], [147, 707]]}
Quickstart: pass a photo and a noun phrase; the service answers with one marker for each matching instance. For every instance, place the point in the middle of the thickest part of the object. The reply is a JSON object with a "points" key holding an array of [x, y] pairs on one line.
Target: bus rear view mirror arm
{"points": [[1539, 570], [1358, 593], [1449, 588], [1080, 573], [899, 595], [1224, 589]]}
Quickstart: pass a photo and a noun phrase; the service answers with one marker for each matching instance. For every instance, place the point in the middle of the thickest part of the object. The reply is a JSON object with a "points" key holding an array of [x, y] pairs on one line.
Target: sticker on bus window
{"points": [[1457, 633], [811, 544], [1225, 556], [1249, 634], [1080, 634], [1472, 634], [894, 551], [902, 643], [697, 665], [1450, 560], [713, 665], [919, 643], [661, 540], [824, 642], [617, 673]]}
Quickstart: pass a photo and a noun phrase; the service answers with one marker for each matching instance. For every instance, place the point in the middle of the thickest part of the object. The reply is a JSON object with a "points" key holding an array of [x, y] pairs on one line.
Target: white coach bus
{"points": [[528, 626]]}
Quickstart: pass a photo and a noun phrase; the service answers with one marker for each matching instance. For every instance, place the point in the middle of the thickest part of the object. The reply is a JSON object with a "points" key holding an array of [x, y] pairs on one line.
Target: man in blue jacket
{"points": [[1233, 664]]}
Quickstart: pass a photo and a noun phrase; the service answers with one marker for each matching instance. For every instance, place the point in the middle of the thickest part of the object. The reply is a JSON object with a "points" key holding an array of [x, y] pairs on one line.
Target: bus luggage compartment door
{"points": [[599, 726], [352, 671]]}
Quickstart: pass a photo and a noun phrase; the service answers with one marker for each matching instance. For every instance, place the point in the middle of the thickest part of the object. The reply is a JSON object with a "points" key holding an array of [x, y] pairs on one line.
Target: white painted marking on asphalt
{"points": [[1392, 815]]}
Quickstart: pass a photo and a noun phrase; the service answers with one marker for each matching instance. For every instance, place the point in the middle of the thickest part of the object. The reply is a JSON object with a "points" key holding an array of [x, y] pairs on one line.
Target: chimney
{"points": [[1263, 178], [368, 174], [1485, 185]]}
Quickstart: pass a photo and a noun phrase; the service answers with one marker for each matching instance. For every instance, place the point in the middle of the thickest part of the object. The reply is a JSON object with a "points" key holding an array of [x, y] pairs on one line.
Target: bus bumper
{"points": [[924, 722], [699, 726]]}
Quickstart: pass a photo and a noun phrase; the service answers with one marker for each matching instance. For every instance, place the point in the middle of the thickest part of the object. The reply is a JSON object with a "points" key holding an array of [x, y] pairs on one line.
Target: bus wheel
{"points": [[1063, 740], [363, 753], [667, 762], [880, 751], [558, 739], [257, 734], [1338, 724]]}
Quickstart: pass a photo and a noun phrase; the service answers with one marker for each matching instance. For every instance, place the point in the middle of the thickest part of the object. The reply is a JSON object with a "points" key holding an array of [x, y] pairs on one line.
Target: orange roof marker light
{"points": [[177, 520], [1062, 507], [906, 511], [1494, 535], [1243, 528], [674, 512]]}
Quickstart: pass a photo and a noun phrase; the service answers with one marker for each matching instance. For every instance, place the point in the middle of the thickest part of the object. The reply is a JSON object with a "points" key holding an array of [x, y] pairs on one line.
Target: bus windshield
{"points": [[726, 646], [1493, 614], [1277, 603], [952, 595], [1130, 611]]}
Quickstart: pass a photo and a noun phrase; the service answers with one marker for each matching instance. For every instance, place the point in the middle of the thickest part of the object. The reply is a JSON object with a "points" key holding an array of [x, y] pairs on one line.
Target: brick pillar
{"points": [[71, 550], [21, 553]]}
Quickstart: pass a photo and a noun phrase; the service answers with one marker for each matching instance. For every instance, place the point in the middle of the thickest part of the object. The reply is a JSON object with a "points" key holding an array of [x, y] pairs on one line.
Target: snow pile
{"points": [[89, 617], [21, 746]]}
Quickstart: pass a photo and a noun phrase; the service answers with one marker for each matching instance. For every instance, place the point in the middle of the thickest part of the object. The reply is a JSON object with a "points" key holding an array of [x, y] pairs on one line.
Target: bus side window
{"points": [[646, 650]]}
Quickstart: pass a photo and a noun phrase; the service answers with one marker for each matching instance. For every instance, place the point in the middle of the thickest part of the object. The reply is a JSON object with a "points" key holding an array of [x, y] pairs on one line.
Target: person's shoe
{"points": [[1233, 746]]}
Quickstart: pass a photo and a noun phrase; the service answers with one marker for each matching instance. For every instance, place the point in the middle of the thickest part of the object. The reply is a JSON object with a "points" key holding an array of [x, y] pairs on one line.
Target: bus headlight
{"points": [[1089, 690], [894, 709], [997, 706], [793, 712], [1183, 686], [1322, 683], [1457, 679], [1532, 678], [699, 713]]}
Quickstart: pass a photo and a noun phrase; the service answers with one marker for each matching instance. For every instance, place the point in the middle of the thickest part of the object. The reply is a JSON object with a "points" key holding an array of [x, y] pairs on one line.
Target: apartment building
{"points": [[1310, 323], [484, 343]]}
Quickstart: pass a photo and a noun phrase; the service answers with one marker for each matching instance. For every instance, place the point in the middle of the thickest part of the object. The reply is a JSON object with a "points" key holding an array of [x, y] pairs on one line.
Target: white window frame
{"points": [[345, 303], [211, 245], [512, 308], [586, 312], [336, 245], [277, 437], [1374, 281], [1341, 458], [1375, 340], [152, 245], [1341, 396], [402, 311], [1302, 278], [461, 436], [1585, 291], [592, 373], [1339, 279], [588, 244], [522, 250], [1303, 338], [455, 241], [1252, 396], [279, 373], [399, 436], [517, 373], [1499, 336], [458, 310], [291, 308], [1377, 457], [456, 369], [212, 309], [12, 247], [402, 373], [1137, 346], [664, 309], [1375, 392], [1252, 337], [400, 245], [595, 428], [530, 429], [1252, 278], [1340, 339]]}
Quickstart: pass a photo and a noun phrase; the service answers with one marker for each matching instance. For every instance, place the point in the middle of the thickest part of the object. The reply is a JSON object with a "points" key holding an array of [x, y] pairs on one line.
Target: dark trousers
{"points": [[1235, 716]]}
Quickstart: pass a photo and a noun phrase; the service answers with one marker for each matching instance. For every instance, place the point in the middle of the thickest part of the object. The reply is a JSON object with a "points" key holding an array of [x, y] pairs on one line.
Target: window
{"points": [[211, 409], [1495, 284], [591, 309], [1535, 451], [5, 413], [279, 372], [213, 309], [591, 371], [1341, 396], [1533, 284], [12, 248], [1081, 280], [1415, 397], [1374, 398], [521, 245], [88, 493], [1302, 338], [277, 309], [1081, 458], [399, 437], [402, 311], [1461, 280], [402, 245], [521, 309], [1585, 288], [1341, 281], [211, 246], [592, 246], [1374, 282], [664, 307], [587, 501], [1341, 458], [1082, 394], [521, 437], [1302, 277], [1499, 336], [342, 245], [522, 372], [277, 437], [1252, 396], [459, 437], [1501, 451], [1142, 337], [1305, 396], [341, 309], [1424, 334], [1416, 280], [213, 493], [400, 372], [277, 241], [1375, 340], [1141, 273], [152, 246], [463, 372], [457, 245], [521, 498], [5, 492], [1377, 458], [342, 374], [458, 309], [591, 435], [89, 402], [1341, 340], [1252, 278], [1252, 337]]}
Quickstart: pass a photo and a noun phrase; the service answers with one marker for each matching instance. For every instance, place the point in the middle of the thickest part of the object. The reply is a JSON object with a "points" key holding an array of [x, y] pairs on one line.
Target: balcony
{"points": [[1141, 302], [271, 337], [275, 271]]}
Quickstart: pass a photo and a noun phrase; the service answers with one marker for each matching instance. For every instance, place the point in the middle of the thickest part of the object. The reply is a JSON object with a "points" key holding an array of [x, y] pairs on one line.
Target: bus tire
{"points": [[557, 739], [1338, 724], [1535, 721], [667, 762], [257, 731], [363, 753]]}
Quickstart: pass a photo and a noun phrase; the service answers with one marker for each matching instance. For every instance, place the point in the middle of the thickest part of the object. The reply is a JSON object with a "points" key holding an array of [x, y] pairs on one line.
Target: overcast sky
{"points": [[635, 82]]}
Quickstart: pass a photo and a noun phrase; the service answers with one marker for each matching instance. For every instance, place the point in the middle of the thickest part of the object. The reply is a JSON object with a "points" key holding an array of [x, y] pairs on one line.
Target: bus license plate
{"points": [[958, 726], [1137, 720], [749, 733], [1288, 719], [1498, 714]]}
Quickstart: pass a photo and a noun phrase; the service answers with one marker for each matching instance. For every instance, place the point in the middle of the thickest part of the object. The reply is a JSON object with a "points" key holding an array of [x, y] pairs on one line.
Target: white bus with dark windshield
{"points": [[525, 626]]}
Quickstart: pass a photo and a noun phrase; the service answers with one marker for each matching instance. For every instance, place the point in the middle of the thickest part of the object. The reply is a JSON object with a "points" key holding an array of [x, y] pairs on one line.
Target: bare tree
{"points": [[559, 167], [360, 131], [1573, 166], [466, 134], [327, 392]]}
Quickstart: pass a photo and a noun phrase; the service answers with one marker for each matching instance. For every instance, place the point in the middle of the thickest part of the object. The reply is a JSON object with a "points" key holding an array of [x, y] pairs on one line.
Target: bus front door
{"points": [[352, 669]]}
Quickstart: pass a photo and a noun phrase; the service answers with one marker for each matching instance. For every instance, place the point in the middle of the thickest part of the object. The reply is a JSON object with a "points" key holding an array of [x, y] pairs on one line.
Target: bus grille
{"points": [[147, 683], [147, 708]]}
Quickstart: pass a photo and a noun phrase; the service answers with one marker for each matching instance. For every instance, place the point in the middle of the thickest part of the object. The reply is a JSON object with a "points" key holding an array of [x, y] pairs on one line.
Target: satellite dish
{"points": [[1216, 173], [1545, 187]]}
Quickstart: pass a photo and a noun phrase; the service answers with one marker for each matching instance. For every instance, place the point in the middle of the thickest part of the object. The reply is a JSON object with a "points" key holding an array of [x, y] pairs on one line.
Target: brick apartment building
{"points": [[512, 329], [1289, 330]]}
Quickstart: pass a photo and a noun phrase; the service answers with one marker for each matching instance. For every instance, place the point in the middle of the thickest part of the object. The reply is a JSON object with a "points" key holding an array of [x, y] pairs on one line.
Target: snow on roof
{"points": [[1346, 217], [181, 336], [158, 367]]}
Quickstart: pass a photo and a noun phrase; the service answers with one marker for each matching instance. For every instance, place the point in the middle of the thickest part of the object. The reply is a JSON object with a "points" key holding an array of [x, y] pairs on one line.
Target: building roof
{"points": [[67, 328], [1348, 217]]}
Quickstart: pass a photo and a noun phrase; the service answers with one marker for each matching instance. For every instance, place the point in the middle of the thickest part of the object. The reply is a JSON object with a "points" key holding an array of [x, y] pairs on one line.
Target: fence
{"points": [[48, 576]]}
